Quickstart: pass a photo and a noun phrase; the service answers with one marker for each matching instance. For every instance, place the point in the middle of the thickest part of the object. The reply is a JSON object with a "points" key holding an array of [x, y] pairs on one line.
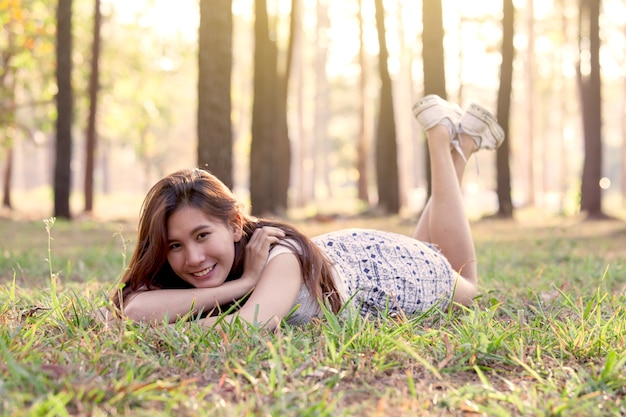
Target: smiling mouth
{"points": [[203, 272]]}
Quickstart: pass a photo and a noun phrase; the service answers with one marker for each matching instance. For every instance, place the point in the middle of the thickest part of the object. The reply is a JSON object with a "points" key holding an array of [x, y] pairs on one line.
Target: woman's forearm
{"points": [[156, 305]]}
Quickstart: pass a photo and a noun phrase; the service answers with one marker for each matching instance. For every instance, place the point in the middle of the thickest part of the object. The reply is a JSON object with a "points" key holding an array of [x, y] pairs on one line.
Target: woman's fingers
{"points": [[262, 239], [266, 235], [258, 248]]}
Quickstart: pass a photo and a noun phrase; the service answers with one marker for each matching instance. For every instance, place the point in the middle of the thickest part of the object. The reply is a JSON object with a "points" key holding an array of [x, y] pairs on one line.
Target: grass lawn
{"points": [[546, 337]]}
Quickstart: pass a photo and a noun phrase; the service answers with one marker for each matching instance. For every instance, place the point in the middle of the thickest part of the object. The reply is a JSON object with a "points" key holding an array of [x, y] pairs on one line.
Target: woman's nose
{"points": [[195, 255]]}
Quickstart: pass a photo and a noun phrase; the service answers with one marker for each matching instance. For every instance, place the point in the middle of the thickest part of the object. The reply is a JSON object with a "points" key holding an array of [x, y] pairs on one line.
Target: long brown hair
{"points": [[148, 267]]}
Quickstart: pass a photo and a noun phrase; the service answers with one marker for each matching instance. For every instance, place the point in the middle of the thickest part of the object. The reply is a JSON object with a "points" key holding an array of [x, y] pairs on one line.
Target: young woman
{"points": [[197, 251]]}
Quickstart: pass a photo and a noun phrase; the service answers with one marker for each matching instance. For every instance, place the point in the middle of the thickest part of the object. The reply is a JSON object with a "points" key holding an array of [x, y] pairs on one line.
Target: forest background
{"points": [[137, 109], [546, 336]]}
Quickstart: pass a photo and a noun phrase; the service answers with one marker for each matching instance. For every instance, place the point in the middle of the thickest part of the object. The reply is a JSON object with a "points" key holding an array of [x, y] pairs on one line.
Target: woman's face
{"points": [[201, 247]]}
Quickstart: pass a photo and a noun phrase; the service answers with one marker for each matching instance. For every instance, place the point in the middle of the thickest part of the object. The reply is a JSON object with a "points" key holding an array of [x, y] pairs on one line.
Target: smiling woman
{"points": [[191, 241], [197, 250]]}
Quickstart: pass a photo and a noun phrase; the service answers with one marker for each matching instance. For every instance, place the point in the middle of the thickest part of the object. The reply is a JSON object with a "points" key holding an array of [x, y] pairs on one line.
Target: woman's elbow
{"points": [[138, 313], [133, 312]]}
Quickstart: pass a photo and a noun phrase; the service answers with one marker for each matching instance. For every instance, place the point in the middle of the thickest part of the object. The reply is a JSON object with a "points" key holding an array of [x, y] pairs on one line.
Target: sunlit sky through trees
{"points": [[459, 17], [149, 70]]}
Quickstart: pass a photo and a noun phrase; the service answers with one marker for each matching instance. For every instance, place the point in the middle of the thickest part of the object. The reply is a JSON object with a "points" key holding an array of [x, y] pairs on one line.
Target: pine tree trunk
{"points": [[505, 204], [386, 147], [433, 58], [590, 86], [63, 158], [215, 56], [8, 172], [262, 158], [362, 144], [92, 135]]}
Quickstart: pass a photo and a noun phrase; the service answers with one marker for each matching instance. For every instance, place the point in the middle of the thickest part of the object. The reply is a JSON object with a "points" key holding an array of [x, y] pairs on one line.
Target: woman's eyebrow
{"points": [[194, 230]]}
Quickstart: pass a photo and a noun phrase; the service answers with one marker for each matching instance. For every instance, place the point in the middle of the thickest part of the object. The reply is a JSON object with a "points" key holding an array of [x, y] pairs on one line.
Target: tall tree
{"points": [[8, 85], [283, 146], [387, 180], [262, 190], [505, 204], [92, 134], [8, 173], [591, 104], [215, 57], [320, 143], [270, 149], [530, 141], [362, 144], [64, 99], [300, 149], [8, 122], [433, 57], [623, 131], [26, 56]]}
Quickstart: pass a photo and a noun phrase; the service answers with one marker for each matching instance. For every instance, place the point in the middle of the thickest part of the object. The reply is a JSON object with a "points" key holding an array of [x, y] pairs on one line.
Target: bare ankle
{"points": [[468, 145], [438, 133]]}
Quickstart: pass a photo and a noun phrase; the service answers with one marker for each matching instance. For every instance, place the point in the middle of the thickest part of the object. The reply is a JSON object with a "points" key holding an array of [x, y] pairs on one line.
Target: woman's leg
{"points": [[468, 147], [443, 221], [431, 111]]}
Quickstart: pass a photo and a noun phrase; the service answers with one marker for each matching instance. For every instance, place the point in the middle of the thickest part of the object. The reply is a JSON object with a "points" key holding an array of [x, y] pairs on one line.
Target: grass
{"points": [[547, 336]]}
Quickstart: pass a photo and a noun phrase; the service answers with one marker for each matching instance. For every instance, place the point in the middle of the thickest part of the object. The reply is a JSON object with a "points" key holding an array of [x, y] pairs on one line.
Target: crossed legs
{"points": [[453, 137], [443, 221]]}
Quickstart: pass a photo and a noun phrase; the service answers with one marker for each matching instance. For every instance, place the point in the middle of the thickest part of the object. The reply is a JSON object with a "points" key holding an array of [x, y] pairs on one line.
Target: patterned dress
{"points": [[378, 271]]}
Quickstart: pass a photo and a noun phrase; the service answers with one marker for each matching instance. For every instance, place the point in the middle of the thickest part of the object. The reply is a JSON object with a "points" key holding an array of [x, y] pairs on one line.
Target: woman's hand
{"points": [[274, 295], [257, 251]]}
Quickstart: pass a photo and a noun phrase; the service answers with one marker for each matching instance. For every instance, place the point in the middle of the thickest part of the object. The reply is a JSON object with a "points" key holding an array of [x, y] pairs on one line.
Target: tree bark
{"points": [[362, 144], [64, 99], [262, 156], [505, 204], [92, 134], [623, 132], [433, 58], [8, 173], [300, 149], [386, 147], [283, 145], [320, 144], [215, 56], [591, 103], [270, 151], [7, 113]]}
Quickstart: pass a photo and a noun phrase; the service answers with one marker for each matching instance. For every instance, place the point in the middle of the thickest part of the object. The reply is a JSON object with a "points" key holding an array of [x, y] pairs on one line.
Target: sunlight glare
{"points": [[168, 21], [615, 11], [605, 183], [243, 8], [543, 8]]}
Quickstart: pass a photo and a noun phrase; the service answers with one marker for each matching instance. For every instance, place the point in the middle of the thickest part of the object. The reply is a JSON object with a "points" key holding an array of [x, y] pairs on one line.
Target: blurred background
{"points": [[303, 107]]}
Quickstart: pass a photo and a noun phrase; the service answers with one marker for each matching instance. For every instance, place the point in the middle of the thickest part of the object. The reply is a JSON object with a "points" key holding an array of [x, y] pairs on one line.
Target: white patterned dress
{"points": [[378, 271]]}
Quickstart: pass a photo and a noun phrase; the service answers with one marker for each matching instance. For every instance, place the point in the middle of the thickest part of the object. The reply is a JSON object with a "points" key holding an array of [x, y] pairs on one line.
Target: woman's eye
{"points": [[174, 246], [202, 235]]}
